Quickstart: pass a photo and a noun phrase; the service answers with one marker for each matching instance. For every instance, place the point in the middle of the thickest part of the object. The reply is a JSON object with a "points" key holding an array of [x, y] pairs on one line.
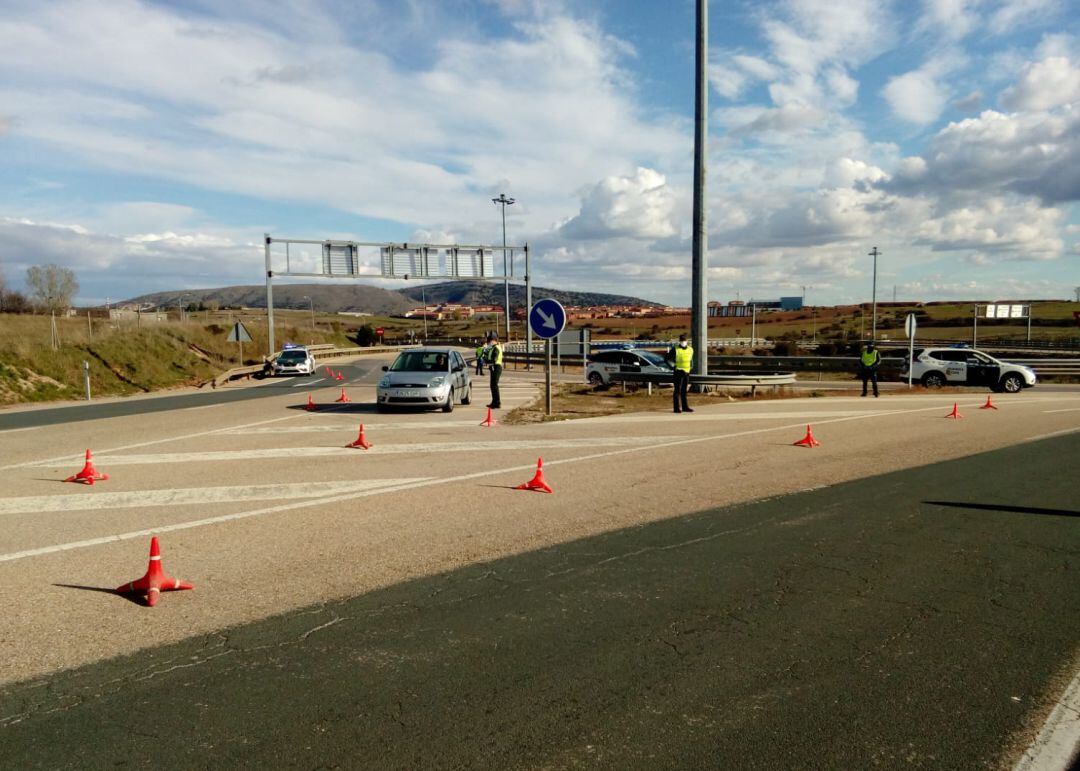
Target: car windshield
{"points": [[293, 356], [420, 361], [655, 359]]}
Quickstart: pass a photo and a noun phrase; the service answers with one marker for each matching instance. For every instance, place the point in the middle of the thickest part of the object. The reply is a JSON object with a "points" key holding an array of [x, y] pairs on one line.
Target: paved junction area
{"points": [[697, 591]]}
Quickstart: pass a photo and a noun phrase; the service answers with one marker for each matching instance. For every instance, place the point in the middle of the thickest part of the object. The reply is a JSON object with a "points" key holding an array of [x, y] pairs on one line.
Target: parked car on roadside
{"points": [[603, 364], [425, 377], [935, 367]]}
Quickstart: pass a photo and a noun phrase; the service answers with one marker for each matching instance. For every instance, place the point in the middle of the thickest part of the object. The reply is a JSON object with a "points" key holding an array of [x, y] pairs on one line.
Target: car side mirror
{"points": [[385, 368], [458, 368]]}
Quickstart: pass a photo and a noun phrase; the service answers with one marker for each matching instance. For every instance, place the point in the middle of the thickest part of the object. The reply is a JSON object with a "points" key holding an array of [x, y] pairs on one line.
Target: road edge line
{"points": [[1057, 745]]}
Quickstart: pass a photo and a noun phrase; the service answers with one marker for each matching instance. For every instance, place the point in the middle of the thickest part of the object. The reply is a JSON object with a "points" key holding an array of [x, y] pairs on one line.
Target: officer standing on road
{"points": [[481, 354], [495, 364], [683, 359], [869, 360]]}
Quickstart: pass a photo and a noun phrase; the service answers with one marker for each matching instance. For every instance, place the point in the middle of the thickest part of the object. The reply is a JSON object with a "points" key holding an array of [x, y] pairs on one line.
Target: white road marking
{"points": [[194, 495], [105, 461], [1059, 740], [739, 415], [530, 467], [1070, 409], [307, 383], [331, 428]]}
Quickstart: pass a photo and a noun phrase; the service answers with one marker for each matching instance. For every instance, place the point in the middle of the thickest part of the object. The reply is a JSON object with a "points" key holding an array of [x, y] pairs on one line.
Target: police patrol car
{"points": [[935, 367]]}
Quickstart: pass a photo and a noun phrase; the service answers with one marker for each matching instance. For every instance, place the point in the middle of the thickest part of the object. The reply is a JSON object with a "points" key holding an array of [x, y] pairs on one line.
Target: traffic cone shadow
{"points": [[156, 579], [537, 482], [361, 442], [955, 412], [89, 474], [808, 440], [989, 404]]}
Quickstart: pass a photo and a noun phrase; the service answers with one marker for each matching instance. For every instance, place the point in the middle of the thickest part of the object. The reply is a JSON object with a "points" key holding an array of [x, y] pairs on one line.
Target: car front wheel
{"points": [[933, 380], [1012, 384], [596, 379], [449, 405]]}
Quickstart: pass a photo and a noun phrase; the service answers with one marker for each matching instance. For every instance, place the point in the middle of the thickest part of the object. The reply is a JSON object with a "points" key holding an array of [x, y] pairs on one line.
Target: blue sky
{"points": [[149, 145]]}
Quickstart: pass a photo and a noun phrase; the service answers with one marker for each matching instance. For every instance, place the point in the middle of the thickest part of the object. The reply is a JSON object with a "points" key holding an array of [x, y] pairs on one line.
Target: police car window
{"points": [[950, 355], [605, 357]]}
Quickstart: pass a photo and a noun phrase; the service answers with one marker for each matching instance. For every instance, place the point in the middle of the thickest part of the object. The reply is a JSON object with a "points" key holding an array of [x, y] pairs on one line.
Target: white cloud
{"points": [[1012, 14], [1044, 85], [641, 206], [1024, 229], [917, 96], [953, 19]]}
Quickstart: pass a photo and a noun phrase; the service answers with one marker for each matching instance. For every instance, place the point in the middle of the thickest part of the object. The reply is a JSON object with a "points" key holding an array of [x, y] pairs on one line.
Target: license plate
{"points": [[408, 393]]}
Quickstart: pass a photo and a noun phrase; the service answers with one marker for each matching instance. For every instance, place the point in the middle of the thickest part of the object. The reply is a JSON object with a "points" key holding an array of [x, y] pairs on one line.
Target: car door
{"points": [[955, 366], [629, 363], [982, 370]]}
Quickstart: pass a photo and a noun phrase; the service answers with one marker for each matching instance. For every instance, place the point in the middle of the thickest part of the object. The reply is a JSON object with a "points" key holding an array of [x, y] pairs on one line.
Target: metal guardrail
{"points": [[720, 379], [333, 353]]}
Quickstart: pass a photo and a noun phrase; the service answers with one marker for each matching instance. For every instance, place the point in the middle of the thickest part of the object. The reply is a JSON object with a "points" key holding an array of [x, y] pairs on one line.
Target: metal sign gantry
{"points": [[338, 259]]}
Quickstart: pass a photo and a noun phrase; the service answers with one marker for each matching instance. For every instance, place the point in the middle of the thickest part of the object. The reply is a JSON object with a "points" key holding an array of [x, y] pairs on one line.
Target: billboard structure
{"points": [[337, 259], [999, 311]]}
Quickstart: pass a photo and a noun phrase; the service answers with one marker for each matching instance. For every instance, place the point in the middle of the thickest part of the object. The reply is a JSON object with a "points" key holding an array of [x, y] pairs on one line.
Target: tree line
{"points": [[50, 289]]}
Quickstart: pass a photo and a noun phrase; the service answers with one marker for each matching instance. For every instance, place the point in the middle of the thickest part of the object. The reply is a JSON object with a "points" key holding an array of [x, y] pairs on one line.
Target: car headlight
{"points": [[435, 382], [384, 382]]}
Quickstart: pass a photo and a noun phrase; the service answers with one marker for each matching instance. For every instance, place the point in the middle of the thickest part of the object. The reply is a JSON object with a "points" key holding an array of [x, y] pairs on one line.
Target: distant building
{"points": [[741, 308]]}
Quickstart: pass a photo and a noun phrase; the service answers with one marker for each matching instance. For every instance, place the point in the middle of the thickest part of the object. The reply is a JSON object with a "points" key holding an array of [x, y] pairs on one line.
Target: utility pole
{"points": [[503, 201], [311, 305], [873, 328], [699, 321], [423, 299]]}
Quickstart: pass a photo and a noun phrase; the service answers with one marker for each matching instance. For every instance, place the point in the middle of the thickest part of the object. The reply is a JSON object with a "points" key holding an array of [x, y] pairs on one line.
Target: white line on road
{"points": [[307, 383], [1070, 409], [105, 461], [1058, 742], [193, 495], [342, 428]]}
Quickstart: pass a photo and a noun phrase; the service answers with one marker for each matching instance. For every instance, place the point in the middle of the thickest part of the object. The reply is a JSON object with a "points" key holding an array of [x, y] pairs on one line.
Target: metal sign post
{"points": [[547, 319], [909, 328], [239, 335]]}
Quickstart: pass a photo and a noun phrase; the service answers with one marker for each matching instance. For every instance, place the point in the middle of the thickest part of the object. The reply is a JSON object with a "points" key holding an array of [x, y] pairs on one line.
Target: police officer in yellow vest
{"points": [[495, 365], [481, 354], [683, 356], [869, 360]]}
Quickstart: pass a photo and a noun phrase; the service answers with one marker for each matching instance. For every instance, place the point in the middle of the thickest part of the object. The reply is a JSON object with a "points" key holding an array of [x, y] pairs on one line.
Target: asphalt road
{"points": [[920, 618], [363, 371]]}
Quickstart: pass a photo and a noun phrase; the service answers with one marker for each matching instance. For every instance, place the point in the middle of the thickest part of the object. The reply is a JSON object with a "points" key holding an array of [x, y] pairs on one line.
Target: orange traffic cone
{"points": [[343, 397], [955, 412], [489, 420], [537, 482], [89, 474], [808, 440], [989, 404], [311, 406], [156, 579], [329, 372], [361, 442], [338, 376]]}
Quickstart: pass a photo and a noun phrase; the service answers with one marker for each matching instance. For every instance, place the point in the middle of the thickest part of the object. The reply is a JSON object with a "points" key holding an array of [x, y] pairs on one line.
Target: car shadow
{"points": [[1002, 507], [338, 407]]}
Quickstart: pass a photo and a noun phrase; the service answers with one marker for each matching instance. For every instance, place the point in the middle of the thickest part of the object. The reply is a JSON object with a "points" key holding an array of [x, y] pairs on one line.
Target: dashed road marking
{"points": [[193, 495]]}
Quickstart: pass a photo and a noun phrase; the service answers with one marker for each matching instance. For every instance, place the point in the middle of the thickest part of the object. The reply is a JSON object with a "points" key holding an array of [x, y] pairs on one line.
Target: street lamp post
{"points": [[423, 299], [873, 297], [504, 202], [311, 306], [180, 307]]}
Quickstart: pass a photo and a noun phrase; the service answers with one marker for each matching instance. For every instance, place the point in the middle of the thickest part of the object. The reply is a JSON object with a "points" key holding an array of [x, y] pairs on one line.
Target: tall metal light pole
{"points": [[504, 202], [423, 299], [180, 307], [699, 320], [873, 327], [311, 305]]}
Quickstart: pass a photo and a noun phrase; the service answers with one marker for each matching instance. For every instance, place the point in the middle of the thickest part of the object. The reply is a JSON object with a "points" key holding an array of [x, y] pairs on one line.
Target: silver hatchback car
{"points": [[425, 377]]}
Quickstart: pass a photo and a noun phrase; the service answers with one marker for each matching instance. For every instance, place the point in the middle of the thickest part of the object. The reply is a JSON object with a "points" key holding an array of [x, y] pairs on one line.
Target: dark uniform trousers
{"points": [[496, 373], [682, 386], [869, 374]]}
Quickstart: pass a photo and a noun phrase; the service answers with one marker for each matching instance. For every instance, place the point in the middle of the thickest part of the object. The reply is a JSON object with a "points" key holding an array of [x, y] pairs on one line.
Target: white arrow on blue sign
{"points": [[547, 318]]}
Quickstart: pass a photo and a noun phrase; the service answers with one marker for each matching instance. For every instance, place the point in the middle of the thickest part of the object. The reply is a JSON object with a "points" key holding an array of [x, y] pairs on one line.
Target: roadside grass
{"points": [[123, 358]]}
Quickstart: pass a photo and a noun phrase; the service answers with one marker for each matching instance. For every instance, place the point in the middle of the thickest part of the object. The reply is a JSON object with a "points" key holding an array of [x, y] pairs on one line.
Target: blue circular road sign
{"points": [[547, 318]]}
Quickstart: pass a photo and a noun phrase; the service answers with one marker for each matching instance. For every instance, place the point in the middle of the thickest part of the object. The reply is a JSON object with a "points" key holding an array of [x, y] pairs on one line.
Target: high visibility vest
{"points": [[480, 352], [870, 358], [495, 354], [684, 358]]}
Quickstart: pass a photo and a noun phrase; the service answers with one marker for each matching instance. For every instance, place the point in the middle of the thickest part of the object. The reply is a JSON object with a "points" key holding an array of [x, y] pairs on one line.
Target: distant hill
{"points": [[329, 298], [491, 293]]}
